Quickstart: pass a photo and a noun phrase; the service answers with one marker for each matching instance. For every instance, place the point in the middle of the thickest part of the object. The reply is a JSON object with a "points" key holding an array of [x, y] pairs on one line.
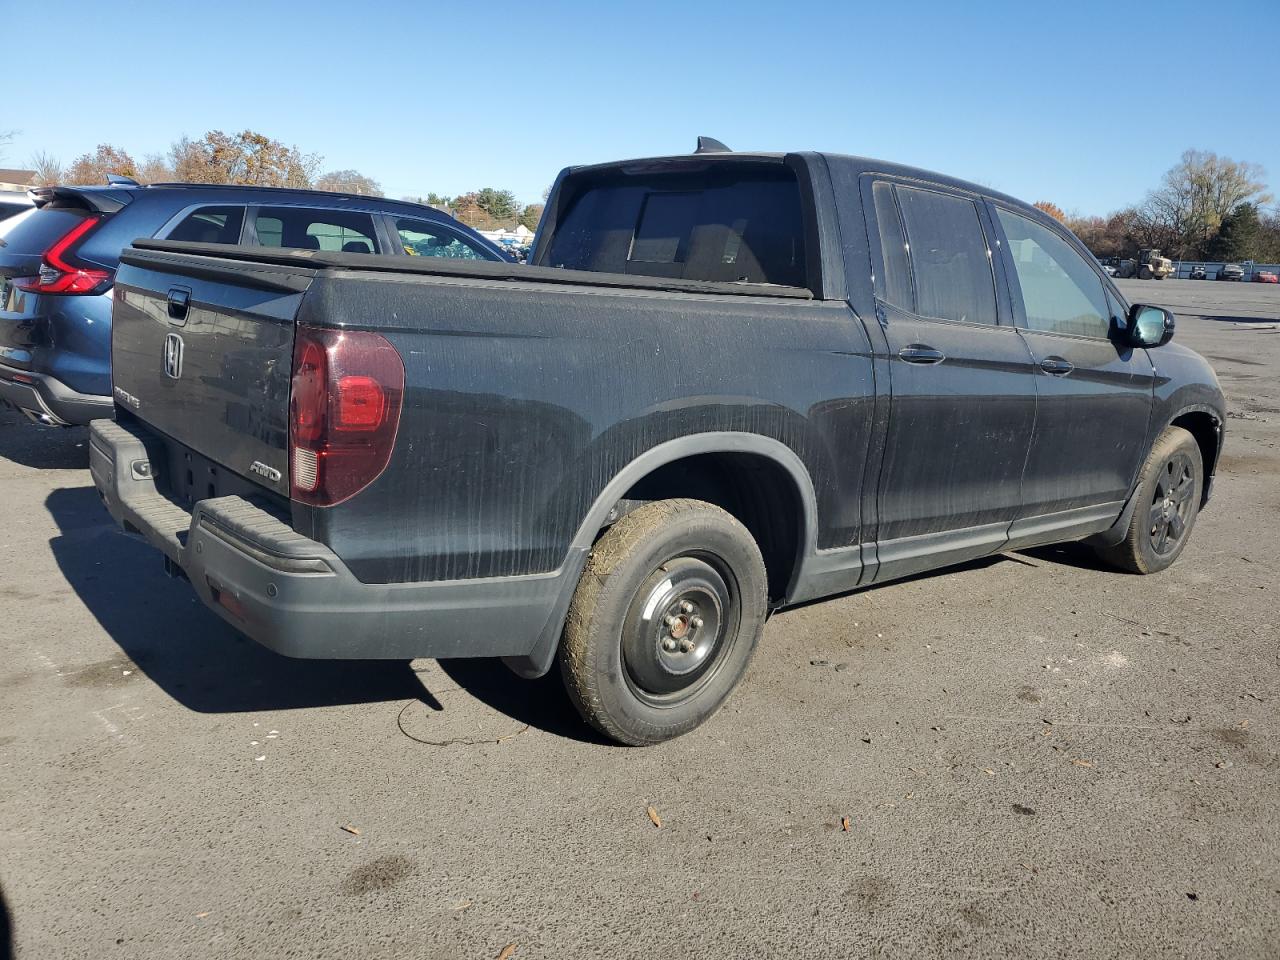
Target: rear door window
{"points": [[894, 283], [305, 228], [210, 225], [422, 238], [950, 260], [1061, 293]]}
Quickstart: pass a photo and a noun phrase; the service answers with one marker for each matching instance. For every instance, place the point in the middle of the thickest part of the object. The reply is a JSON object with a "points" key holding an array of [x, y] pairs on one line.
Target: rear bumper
{"points": [[295, 596], [48, 400]]}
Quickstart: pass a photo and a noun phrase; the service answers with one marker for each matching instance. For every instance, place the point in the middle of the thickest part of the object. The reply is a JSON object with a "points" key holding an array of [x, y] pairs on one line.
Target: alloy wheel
{"points": [[1171, 504]]}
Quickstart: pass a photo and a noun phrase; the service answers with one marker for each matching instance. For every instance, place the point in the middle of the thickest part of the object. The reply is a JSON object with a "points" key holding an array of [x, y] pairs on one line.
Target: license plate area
{"points": [[187, 477]]}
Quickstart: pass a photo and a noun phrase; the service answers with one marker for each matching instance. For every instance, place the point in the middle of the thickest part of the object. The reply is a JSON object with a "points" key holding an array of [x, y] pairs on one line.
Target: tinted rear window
{"points": [[339, 231], [741, 222], [35, 231], [949, 259], [894, 283], [210, 225]]}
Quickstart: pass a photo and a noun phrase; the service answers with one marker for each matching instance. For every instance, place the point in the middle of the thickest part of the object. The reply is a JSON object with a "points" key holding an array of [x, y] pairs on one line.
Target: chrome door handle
{"points": [[1056, 366], [921, 353]]}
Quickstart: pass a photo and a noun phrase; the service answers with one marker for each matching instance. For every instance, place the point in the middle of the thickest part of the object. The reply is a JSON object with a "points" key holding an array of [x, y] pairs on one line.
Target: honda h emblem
{"points": [[173, 356]]}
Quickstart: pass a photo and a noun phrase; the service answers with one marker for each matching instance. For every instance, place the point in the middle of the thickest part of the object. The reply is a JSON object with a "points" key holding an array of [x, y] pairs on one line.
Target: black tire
{"points": [[1144, 273], [671, 569], [1168, 502]]}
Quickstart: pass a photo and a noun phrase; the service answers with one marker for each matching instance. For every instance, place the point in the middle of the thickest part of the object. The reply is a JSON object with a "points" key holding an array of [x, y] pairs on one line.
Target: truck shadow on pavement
{"points": [[6, 931], [207, 666], [42, 448], [1069, 555]]}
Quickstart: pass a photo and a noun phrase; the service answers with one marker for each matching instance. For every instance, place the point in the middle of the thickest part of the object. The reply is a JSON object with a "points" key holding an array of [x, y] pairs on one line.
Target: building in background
{"points": [[17, 179]]}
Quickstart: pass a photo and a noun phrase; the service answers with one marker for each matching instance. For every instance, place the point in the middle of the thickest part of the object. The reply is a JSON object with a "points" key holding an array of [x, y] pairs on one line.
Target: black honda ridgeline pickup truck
{"points": [[728, 382]]}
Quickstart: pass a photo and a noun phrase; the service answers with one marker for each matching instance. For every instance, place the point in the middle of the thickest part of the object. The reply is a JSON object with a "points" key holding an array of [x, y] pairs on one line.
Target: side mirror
{"points": [[1149, 326]]}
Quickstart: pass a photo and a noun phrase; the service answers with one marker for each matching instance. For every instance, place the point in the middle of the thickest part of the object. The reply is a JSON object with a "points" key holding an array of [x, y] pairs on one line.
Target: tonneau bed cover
{"points": [[314, 260]]}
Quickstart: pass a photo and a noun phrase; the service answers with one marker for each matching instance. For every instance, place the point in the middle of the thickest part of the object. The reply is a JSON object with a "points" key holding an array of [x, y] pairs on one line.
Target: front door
{"points": [[963, 394], [1094, 391]]}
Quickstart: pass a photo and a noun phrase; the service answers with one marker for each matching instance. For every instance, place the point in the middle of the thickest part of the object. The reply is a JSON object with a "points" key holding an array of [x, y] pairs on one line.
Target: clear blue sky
{"points": [[1041, 100]]}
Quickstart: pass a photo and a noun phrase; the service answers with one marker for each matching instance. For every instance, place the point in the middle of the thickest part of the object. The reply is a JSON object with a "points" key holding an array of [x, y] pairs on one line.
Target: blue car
{"points": [[58, 262]]}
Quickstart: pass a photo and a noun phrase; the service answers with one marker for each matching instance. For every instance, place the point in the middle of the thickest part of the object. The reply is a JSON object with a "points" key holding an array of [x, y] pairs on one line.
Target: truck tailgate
{"points": [[202, 350]]}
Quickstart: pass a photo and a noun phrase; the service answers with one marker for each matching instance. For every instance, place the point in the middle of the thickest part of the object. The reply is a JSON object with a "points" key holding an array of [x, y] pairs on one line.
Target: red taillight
{"points": [[360, 404], [344, 410], [58, 275]]}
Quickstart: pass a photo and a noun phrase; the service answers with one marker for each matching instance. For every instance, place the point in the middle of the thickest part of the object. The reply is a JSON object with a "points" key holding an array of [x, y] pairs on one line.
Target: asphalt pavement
{"points": [[1030, 756]]}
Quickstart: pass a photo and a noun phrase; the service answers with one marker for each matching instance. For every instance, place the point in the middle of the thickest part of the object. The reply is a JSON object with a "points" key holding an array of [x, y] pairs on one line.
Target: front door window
{"points": [[1061, 292]]}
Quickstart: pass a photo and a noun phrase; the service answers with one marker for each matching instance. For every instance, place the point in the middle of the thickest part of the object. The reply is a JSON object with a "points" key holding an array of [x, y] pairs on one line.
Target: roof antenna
{"points": [[117, 180], [711, 145]]}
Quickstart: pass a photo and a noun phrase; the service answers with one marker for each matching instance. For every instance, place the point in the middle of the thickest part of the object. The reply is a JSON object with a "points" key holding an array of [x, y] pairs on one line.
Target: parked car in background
{"points": [[1230, 271], [13, 202], [1198, 273], [727, 383], [58, 264], [1265, 276]]}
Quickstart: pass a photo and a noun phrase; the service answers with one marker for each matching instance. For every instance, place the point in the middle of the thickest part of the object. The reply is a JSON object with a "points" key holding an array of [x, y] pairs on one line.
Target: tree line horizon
{"points": [[254, 159], [1207, 207]]}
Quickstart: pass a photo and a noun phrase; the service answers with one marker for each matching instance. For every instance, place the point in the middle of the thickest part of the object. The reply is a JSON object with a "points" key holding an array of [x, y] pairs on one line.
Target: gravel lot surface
{"points": [[1036, 757]]}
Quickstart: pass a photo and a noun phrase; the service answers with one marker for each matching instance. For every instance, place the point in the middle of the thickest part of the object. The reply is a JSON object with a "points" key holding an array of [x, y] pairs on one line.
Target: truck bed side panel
{"points": [[523, 400]]}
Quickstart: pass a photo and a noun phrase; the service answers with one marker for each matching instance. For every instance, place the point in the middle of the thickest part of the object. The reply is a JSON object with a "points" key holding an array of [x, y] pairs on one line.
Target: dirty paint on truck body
{"points": [[541, 402]]}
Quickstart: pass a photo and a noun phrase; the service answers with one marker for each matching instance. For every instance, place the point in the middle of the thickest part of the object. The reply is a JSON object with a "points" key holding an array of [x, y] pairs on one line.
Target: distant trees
{"points": [[247, 158], [1237, 238], [1104, 236], [1207, 207], [155, 169], [349, 181], [48, 170], [1268, 249], [485, 209], [91, 168], [499, 204], [530, 216], [467, 209], [1052, 209], [1185, 213]]}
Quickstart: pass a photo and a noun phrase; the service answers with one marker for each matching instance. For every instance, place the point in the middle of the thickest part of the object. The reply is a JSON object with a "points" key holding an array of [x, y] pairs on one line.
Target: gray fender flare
{"points": [[1120, 529], [538, 661]]}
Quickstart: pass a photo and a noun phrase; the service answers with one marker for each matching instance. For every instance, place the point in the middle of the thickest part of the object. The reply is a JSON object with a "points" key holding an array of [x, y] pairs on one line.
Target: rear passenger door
{"points": [[1094, 390], [963, 396]]}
